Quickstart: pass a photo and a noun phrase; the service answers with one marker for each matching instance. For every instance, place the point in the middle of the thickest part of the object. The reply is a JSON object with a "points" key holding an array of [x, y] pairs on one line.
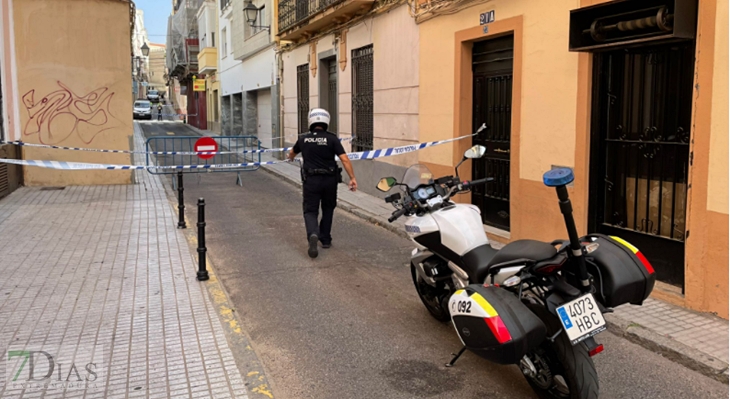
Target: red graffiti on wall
{"points": [[62, 113]]}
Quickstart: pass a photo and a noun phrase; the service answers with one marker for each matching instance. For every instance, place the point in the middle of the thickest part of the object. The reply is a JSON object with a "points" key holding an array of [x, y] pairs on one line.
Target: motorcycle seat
{"points": [[476, 262], [524, 249]]}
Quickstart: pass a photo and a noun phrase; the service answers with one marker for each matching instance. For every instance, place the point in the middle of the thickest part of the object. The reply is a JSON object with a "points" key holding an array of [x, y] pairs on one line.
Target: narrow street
{"points": [[534, 124], [349, 324]]}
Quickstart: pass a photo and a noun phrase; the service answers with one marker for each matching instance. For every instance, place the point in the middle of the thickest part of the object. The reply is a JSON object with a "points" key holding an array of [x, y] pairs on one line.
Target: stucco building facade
{"points": [[644, 126], [67, 92], [359, 60], [208, 37]]}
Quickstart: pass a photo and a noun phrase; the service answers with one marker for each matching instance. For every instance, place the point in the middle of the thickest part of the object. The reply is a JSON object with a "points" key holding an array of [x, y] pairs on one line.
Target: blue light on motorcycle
{"points": [[558, 177]]}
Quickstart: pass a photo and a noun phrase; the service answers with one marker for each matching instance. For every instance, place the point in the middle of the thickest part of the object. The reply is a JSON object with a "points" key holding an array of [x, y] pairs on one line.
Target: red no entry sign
{"points": [[206, 144]]}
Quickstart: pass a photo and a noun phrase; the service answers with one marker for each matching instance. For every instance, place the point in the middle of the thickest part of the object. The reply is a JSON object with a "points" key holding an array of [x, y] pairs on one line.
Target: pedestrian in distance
{"points": [[159, 112], [320, 175]]}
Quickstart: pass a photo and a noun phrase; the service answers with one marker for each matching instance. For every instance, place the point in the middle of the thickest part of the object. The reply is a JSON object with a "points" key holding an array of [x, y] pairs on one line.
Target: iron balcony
{"points": [[302, 18]]}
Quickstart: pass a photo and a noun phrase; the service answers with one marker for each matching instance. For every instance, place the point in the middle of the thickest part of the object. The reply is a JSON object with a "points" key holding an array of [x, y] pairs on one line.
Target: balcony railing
{"points": [[293, 12], [224, 4]]}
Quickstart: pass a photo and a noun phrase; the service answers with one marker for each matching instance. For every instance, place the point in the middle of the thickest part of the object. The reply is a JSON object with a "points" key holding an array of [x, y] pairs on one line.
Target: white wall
{"points": [[230, 70], [140, 33], [203, 33], [263, 117], [210, 24], [206, 24], [259, 71], [139, 39]]}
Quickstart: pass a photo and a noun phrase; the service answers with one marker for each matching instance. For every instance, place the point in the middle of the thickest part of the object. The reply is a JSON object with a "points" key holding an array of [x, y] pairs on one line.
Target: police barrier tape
{"points": [[154, 114], [381, 153], [87, 166], [56, 147]]}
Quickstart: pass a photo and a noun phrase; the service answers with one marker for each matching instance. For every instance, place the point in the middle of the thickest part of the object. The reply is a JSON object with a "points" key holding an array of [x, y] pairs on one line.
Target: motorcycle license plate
{"points": [[581, 318]]}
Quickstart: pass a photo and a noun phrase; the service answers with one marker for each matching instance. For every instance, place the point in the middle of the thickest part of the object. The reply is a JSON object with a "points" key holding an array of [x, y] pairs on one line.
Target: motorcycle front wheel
{"points": [[433, 298], [563, 371]]}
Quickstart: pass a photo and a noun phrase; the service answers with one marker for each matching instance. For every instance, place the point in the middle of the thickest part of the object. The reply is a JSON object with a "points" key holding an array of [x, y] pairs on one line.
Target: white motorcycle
{"points": [[534, 304]]}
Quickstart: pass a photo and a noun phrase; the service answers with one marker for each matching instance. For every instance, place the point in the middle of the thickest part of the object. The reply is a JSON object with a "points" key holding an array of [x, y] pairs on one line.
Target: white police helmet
{"points": [[319, 115]]}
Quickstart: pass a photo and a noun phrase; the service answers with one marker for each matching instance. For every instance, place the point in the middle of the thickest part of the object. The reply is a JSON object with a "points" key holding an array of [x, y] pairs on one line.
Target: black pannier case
{"points": [[621, 273], [494, 324]]}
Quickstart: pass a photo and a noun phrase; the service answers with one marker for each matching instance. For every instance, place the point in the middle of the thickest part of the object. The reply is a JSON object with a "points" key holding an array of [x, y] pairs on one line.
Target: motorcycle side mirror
{"points": [[386, 183], [477, 151]]}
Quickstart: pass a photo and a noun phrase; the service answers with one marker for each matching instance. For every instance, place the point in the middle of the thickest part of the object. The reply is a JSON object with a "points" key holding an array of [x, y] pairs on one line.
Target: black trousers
{"points": [[320, 189], [159, 117]]}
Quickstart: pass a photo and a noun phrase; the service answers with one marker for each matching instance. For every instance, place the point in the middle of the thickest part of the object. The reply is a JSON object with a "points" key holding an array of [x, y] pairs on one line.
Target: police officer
{"points": [[320, 175]]}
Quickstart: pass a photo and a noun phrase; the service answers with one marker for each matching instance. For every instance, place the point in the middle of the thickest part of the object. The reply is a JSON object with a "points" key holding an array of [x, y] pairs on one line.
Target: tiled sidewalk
{"points": [[704, 333], [105, 266]]}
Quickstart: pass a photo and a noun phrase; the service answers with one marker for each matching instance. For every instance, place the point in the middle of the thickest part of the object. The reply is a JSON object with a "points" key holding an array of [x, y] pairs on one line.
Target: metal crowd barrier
{"points": [[186, 144]]}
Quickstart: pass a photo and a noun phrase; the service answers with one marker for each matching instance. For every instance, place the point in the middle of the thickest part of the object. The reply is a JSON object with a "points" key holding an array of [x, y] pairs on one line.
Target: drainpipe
{"points": [[280, 84]]}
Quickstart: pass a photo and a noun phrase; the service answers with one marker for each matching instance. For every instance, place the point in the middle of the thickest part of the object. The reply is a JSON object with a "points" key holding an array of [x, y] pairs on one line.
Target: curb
{"points": [[668, 348]]}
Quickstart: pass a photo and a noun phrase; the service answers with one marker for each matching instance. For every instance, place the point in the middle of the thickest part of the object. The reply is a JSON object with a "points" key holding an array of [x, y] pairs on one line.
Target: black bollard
{"points": [[202, 271], [180, 202]]}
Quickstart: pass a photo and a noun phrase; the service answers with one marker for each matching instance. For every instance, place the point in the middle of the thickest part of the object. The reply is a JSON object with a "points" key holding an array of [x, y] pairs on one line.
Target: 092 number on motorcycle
{"points": [[463, 307]]}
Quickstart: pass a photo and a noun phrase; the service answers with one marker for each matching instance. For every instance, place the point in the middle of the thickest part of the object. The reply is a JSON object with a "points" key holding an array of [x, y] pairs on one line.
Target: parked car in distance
{"points": [[142, 110], [153, 95]]}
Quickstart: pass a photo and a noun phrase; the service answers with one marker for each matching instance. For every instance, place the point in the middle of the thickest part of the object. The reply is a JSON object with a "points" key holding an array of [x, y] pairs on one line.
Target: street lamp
{"points": [[145, 53], [252, 12], [145, 49], [137, 62]]}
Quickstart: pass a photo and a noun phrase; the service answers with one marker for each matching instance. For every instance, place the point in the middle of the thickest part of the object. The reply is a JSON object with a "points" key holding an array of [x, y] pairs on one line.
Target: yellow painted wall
{"points": [[706, 257], [717, 188], [553, 127], [214, 89], [549, 82], [74, 85]]}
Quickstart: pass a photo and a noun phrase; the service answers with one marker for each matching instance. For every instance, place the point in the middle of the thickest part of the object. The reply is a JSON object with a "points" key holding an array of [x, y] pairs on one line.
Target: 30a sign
{"points": [[486, 17]]}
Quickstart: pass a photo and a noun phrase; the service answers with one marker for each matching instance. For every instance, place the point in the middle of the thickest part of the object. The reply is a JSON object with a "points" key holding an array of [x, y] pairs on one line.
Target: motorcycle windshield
{"points": [[416, 175]]}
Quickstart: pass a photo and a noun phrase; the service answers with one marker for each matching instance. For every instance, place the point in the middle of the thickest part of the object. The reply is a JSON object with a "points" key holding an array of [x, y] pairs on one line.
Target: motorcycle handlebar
{"points": [[469, 184], [481, 181], [397, 214]]}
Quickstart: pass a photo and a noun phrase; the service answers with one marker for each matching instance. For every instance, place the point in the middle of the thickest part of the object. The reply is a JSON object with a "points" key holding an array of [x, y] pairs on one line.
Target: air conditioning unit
{"points": [[629, 23]]}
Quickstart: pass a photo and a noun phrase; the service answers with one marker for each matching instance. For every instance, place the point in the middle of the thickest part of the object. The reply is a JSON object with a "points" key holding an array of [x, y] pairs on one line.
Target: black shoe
{"points": [[313, 241], [328, 245]]}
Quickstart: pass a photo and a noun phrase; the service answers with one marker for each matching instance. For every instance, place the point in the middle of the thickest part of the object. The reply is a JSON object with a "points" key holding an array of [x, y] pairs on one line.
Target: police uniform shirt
{"points": [[318, 149]]}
